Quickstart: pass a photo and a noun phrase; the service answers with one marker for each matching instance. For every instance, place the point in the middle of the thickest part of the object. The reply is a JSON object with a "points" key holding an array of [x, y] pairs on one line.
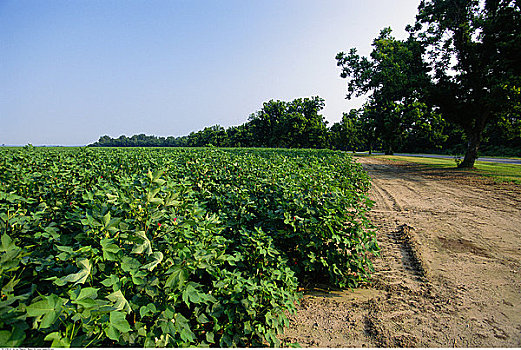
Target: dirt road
{"points": [[449, 273]]}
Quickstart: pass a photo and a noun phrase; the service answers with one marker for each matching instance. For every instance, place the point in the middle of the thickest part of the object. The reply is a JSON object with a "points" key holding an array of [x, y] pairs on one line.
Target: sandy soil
{"points": [[449, 274]]}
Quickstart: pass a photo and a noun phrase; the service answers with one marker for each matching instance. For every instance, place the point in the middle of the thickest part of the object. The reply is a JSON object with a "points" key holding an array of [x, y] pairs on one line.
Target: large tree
{"points": [[289, 124], [348, 133], [473, 48], [392, 77]]}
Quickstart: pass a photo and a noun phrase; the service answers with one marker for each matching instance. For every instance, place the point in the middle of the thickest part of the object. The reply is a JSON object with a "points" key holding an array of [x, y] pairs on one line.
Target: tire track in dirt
{"points": [[448, 273]]}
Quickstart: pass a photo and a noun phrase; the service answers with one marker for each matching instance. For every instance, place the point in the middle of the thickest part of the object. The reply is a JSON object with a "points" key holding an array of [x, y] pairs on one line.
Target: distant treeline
{"points": [[295, 124], [298, 124]]}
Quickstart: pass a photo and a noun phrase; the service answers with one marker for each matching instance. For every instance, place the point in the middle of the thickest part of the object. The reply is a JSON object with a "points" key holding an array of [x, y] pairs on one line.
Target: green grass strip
{"points": [[498, 171]]}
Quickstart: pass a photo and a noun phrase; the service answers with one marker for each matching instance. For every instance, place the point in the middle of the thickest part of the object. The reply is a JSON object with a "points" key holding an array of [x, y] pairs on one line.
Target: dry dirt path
{"points": [[449, 273]]}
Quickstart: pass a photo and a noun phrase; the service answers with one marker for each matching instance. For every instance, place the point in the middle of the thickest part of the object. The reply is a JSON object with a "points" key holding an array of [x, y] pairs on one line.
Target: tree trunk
{"points": [[474, 136], [471, 154]]}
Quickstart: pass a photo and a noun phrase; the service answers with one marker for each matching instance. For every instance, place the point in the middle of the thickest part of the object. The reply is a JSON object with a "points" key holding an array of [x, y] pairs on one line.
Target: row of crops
{"points": [[172, 247]]}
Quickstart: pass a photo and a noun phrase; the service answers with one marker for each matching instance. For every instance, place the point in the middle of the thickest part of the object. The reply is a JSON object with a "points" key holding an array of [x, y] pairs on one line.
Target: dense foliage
{"points": [[457, 73], [172, 247], [294, 124], [393, 75], [360, 130], [473, 49]]}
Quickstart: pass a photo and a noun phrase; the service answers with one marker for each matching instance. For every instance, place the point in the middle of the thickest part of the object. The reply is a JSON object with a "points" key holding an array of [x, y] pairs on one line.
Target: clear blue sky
{"points": [[72, 71]]}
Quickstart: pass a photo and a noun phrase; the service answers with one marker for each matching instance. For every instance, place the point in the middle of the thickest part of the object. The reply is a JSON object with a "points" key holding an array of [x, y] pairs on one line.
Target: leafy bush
{"points": [[202, 249]]}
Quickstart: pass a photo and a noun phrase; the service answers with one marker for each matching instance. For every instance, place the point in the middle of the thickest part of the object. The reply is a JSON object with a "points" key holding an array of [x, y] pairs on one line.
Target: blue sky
{"points": [[72, 71]]}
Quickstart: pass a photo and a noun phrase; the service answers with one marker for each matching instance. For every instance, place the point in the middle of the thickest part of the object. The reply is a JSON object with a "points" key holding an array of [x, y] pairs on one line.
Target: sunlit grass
{"points": [[498, 171]]}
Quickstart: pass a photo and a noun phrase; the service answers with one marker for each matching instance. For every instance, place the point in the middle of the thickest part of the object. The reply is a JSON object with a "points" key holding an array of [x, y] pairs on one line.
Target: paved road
{"points": [[482, 159]]}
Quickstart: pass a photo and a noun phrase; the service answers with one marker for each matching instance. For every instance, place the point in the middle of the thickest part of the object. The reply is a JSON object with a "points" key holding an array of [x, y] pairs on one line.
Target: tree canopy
{"points": [[458, 70], [472, 49], [392, 77], [293, 124]]}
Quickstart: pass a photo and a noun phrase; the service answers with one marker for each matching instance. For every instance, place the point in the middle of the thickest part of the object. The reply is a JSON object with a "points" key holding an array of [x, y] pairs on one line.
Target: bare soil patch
{"points": [[449, 273]]}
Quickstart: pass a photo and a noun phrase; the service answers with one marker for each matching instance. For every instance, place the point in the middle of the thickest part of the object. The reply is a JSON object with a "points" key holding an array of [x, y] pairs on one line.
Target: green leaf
{"points": [[247, 327], [143, 247], [191, 294], [293, 345], [187, 335], [8, 288], [270, 336], [88, 292], [182, 326], [58, 341], [111, 281], [149, 175], [112, 226], [108, 245], [118, 321], [141, 330], [112, 332], [147, 310], [157, 174], [86, 297], [159, 182], [106, 219], [50, 308], [112, 198], [78, 277], [13, 338], [7, 244], [156, 201], [226, 341], [138, 277], [171, 199], [64, 248], [210, 337], [4, 338], [162, 341], [157, 257], [129, 264], [177, 278], [202, 318], [120, 303], [152, 193], [109, 249]]}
